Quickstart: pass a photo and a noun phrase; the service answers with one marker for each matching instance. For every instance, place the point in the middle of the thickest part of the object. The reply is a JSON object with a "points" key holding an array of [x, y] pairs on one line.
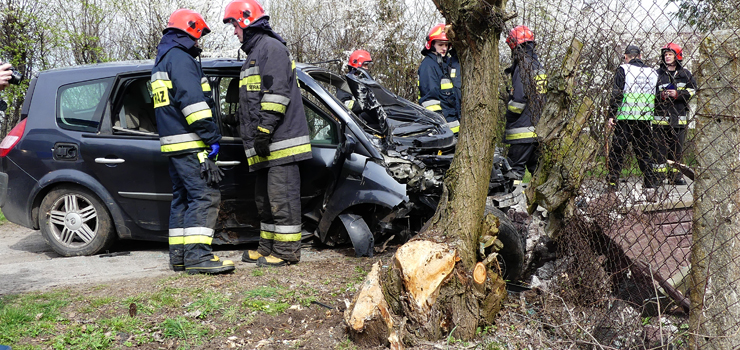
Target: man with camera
{"points": [[5, 75]]}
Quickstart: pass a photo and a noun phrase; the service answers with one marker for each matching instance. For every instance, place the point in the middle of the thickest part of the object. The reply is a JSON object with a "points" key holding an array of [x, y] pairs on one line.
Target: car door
{"points": [[238, 211], [125, 157]]}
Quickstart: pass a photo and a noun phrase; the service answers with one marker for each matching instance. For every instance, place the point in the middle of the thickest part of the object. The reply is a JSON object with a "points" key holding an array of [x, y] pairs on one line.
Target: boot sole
{"points": [[178, 268], [210, 271], [248, 260]]}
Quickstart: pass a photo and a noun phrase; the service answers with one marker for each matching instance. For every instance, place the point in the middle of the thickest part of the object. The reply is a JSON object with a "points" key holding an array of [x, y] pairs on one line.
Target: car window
{"points": [[135, 113], [79, 105], [228, 99], [321, 128]]}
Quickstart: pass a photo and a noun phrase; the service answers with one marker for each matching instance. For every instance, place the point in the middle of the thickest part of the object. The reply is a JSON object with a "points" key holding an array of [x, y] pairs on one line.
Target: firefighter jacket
{"points": [[346, 97], [526, 95], [182, 97], [672, 111], [633, 92], [440, 79], [270, 100]]}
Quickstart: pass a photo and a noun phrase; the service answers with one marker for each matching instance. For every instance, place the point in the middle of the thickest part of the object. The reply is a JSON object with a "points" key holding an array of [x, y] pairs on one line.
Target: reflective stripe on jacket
{"points": [[270, 101], [526, 98], [671, 111], [440, 80], [182, 103]]}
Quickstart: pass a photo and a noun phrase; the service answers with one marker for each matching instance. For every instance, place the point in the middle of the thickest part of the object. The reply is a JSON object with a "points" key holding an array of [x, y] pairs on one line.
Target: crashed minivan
{"points": [[84, 166]]}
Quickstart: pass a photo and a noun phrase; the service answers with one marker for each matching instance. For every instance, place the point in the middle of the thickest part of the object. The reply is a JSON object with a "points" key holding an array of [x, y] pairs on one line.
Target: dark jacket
{"points": [[440, 79], [269, 99], [633, 89], [672, 111], [183, 103], [526, 97]]}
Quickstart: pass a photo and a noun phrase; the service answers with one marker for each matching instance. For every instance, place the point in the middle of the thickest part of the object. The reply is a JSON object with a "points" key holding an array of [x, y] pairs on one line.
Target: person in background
{"points": [[525, 103], [630, 116], [4, 75], [676, 86], [440, 78]]}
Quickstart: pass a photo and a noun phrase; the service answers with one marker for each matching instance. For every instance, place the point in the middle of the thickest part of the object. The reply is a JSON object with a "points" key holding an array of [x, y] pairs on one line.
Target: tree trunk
{"points": [[715, 295], [565, 149], [429, 288]]}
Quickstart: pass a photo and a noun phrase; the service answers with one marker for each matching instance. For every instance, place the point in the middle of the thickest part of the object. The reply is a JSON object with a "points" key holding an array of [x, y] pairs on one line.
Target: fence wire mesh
{"points": [[648, 258]]}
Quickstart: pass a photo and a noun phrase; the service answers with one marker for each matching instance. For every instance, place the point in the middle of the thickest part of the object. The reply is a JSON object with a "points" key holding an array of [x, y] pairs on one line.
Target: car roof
{"points": [[113, 68]]}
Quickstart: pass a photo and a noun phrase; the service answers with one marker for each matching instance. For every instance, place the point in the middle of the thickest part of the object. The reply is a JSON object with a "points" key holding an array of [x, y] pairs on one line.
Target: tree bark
{"points": [[715, 294]]}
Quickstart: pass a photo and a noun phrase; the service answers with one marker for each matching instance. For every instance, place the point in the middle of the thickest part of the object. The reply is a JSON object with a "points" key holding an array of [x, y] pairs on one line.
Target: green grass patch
{"points": [[209, 302], [270, 300], [30, 315], [83, 337], [2, 218], [184, 329]]}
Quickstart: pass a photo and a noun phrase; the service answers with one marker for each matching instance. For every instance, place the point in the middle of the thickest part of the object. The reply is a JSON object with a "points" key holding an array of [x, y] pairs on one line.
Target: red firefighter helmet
{"points": [[189, 22], [357, 58], [518, 35], [437, 33], [672, 47], [243, 12]]}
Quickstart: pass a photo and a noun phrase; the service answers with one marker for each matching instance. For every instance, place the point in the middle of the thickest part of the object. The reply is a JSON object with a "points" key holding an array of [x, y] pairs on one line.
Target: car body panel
{"points": [[126, 170]]}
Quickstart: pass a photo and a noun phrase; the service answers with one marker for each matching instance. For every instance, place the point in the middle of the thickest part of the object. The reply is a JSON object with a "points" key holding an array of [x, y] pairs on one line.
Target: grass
{"points": [[2, 218], [183, 311]]}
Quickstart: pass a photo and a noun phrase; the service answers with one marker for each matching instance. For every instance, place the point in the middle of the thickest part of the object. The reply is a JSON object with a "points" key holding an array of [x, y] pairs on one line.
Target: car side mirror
{"points": [[345, 149], [348, 146]]}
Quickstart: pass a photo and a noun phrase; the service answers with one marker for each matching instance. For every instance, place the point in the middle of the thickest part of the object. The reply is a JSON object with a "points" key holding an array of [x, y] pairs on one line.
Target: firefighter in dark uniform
{"points": [[676, 86], [274, 130], [189, 137], [358, 67], [440, 78], [630, 115], [526, 100], [358, 59]]}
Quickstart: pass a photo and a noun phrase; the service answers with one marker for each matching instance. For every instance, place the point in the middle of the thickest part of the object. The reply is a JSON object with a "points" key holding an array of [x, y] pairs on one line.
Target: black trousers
{"points": [[523, 156], [278, 198], [670, 141], [637, 133], [193, 212]]}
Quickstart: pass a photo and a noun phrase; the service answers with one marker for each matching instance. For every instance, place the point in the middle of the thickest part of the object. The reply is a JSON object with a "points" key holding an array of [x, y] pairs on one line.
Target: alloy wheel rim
{"points": [[73, 221]]}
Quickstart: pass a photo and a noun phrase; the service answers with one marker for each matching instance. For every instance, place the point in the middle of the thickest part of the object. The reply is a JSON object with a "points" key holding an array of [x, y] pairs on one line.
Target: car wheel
{"points": [[511, 257], [75, 222]]}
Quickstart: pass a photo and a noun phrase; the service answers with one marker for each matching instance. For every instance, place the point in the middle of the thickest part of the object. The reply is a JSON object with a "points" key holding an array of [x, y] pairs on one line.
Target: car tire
{"points": [[75, 222], [512, 255]]}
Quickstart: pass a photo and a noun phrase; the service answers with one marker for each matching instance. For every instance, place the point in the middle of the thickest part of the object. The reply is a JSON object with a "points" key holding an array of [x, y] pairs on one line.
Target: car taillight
{"points": [[12, 139]]}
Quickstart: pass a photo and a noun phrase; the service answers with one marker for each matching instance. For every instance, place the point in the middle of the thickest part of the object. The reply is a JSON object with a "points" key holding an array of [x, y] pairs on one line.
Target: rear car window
{"points": [[79, 106]]}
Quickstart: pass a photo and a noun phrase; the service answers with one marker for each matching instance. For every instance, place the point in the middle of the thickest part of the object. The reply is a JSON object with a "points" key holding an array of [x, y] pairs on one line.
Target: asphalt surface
{"points": [[27, 263]]}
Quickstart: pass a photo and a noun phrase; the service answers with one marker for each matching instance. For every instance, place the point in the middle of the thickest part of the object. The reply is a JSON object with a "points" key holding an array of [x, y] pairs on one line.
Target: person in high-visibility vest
{"points": [[630, 115]]}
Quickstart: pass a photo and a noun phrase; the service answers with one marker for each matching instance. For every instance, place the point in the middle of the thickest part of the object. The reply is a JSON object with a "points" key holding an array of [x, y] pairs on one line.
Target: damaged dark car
{"points": [[87, 149]]}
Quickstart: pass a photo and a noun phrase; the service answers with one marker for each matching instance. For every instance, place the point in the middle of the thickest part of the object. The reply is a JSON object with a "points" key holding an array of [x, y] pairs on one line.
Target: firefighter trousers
{"points": [[193, 212], [637, 133], [670, 141], [278, 197], [523, 156]]}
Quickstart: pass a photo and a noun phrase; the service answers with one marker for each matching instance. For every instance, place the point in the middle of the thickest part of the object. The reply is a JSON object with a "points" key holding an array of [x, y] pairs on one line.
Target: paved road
{"points": [[27, 263]]}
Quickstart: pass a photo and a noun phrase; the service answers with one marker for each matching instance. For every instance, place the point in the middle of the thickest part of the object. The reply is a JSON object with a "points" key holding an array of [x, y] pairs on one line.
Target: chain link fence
{"points": [[648, 256]]}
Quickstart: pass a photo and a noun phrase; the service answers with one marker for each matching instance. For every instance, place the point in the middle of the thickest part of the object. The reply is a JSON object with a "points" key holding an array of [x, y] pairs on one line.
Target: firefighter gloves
{"points": [[262, 143], [210, 171]]}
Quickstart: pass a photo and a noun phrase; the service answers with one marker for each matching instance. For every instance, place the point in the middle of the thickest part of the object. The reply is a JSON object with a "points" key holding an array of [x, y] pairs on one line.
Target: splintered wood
{"points": [[424, 265]]}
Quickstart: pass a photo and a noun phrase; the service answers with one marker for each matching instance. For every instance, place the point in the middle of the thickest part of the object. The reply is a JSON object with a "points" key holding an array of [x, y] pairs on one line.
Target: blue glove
{"points": [[214, 150]]}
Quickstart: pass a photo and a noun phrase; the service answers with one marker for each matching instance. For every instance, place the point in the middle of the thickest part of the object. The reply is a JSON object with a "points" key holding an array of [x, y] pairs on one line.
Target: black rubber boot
{"points": [[211, 267], [178, 267]]}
